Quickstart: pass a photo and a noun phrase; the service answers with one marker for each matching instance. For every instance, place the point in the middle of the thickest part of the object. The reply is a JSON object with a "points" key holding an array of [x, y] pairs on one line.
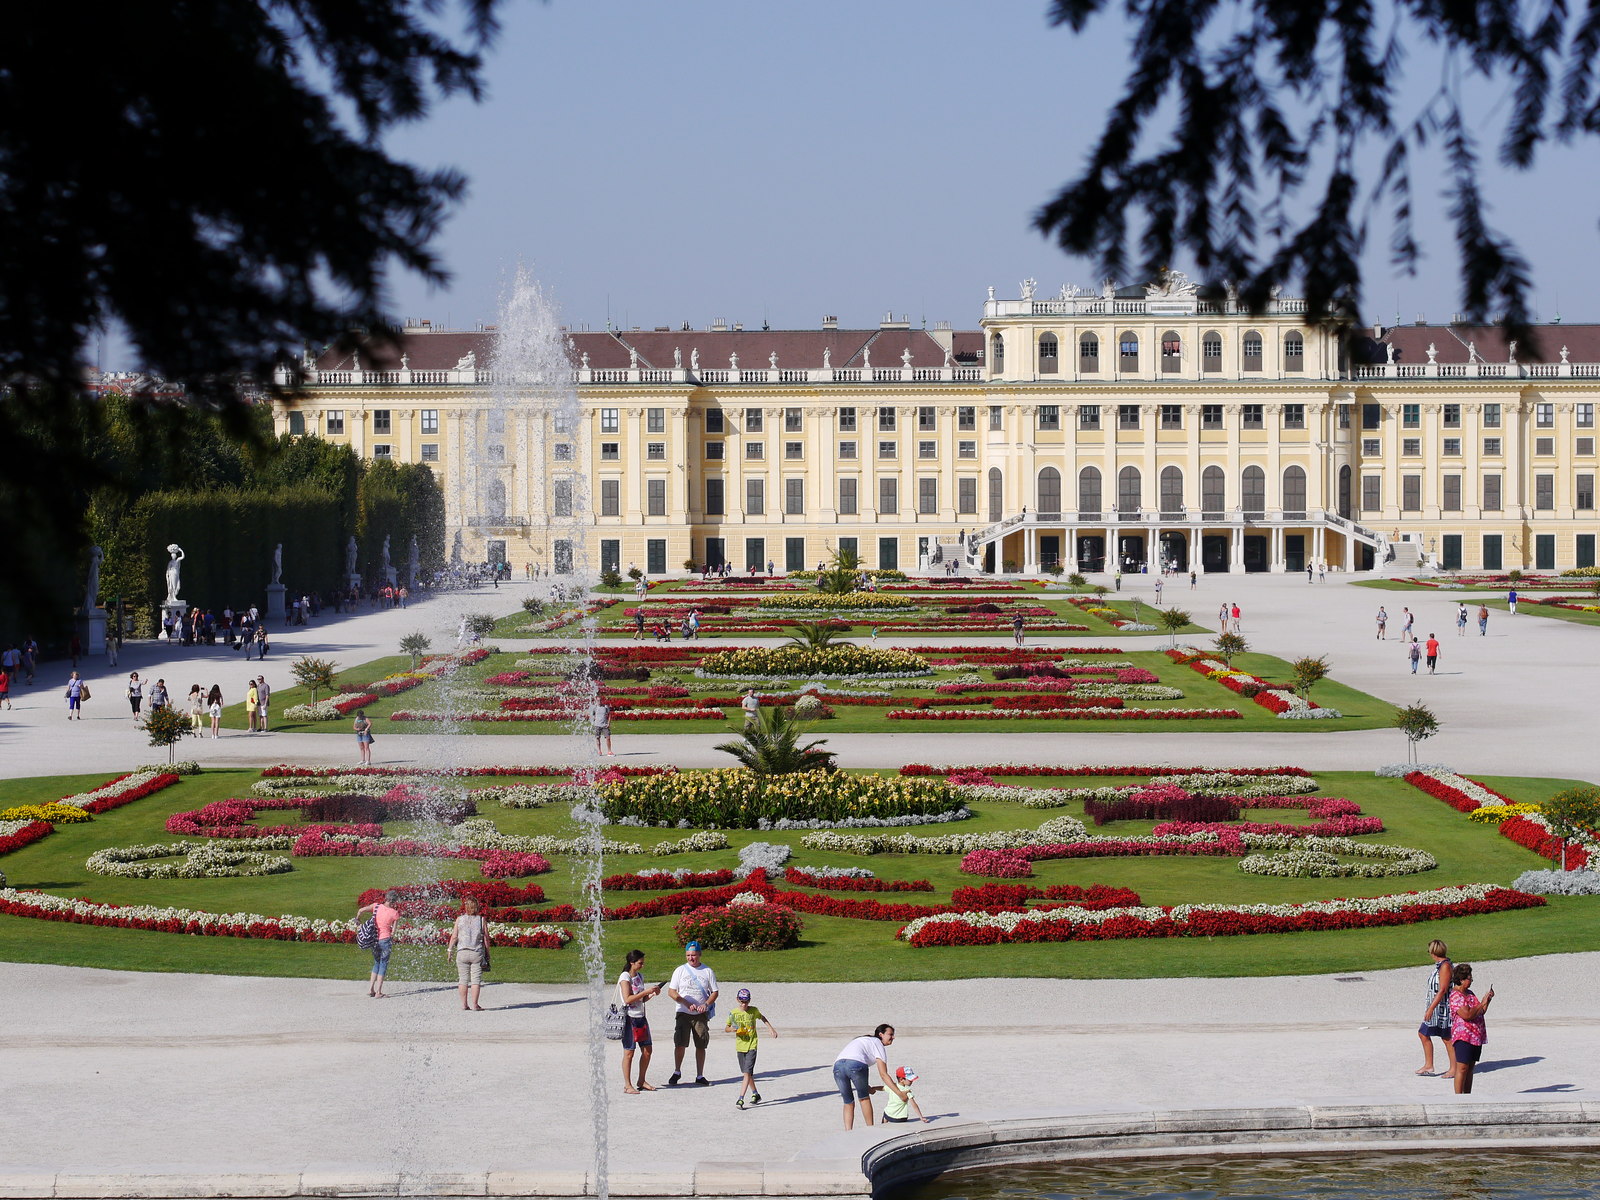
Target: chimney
{"points": [[830, 322]]}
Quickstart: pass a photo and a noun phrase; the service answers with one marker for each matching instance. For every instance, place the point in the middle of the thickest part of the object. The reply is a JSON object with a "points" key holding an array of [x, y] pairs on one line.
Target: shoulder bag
{"points": [[367, 933], [616, 1016]]}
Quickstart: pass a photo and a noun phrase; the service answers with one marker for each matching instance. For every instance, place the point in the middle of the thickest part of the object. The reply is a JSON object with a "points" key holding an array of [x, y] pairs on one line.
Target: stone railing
{"points": [[1478, 370], [680, 376], [1096, 305]]}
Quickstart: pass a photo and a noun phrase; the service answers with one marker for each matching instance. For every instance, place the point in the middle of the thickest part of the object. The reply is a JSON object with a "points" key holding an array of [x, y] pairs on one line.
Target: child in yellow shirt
{"points": [[742, 1024]]}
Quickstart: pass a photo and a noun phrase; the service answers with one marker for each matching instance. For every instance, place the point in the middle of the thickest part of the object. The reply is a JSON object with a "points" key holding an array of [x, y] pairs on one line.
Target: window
{"points": [[1211, 416], [888, 496], [497, 453], [966, 417], [966, 449], [1213, 491], [886, 420], [1211, 352], [1294, 352], [1544, 416], [1049, 350], [297, 423], [334, 423], [1252, 351], [755, 555], [714, 421], [563, 451], [1048, 495], [1583, 547], [1491, 552], [927, 449], [430, 420], [610, 451], [1128, 351], [1088, 491], [1411, 416], [927, 421], [655, 420], [611, 497], [1089, 416], [1544, 447], [609, 422], [714, 501], [1452, 416], [1171, 351], [713, 451], [430, 452], [1371, 493], [561, 499], [1253, 491], [997, 418], [967, 496], [1049, 416], [794, 554], [1491, 447], [888, 554], [847, 420], [1452, 494], [997, 355], [848, 547], [656, 451], [1344, 416], [1252, 416], [1411, 493], [1371, 447], [1371, 416], [1452, 447], [1583, 492], [1491, 493], [793, 450], [756, 450], [1544, 492], [561, 423], [655, 497], [1127, 416], [655, 556], [1491, 416], [1294, 416], [887, 449], [928, 497], [755, 497], [383, 450], [794, 497], [1411, 447], [610, 555], [1089, 353], [1129, 491], [381, 422], [753, 420], [1172, 416], [1171, 491], [1584, 416], [847, 449], [1585, 447], [791, 420], [847, 497]]}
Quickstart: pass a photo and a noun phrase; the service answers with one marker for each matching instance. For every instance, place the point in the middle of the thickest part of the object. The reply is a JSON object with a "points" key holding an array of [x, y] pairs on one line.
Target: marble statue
{"points": [[355, 363], [1472, 351], [585, 360], [388, 564], [905, 358], [1511, 353], [1433, 353], [1388, 352], [91, 594], [733, 361], [350, 553], [1233, 293], [991, 291], [694, 358], [1027, 288], [633, 358], [413, 563], [277, 564], [467, 361], [677, 357], [174, 572], [866, 355], [1563, 354], [827, 358], [948, 360], [772, 360], [1108, 288], [405, 362]]}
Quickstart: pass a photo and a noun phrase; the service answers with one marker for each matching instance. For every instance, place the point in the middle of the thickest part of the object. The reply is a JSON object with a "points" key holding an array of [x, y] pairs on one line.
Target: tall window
{"points": [[967, 496], [996, 495], [1049, 416], [1171, 490], [1129, 491], [997, 355], [928, 497], [562, 498], [1294, 352], [1128, 351], [1088, 354], [997, 418], [655, 497], [1172, 416], [886, 420], [1252, 416], [1411, 493], [753, 419], [609, 422], [755, 497], [1088, 416], [1294, 490], [1491, 416], [1294, 416], [1583, 492], [1452, 494], [335, 422], [382, 422], [430, 420], [1253, 491], [1048, 497], [1127, 416], [1089, 491], [1371, 493], [714, 421], [1452, 416], [794, 497], [1171, 350], [927, 418], [1411, 416], [655, 420], [1491, 493], [847, 498], [1583, 415], [1049, 350], [966, 417], [1252, 351], [1211, 352], [1544, 492], [847, 420], [715, 506], [610, 497], [1544, 416], [1213, 492], [888, 496]]}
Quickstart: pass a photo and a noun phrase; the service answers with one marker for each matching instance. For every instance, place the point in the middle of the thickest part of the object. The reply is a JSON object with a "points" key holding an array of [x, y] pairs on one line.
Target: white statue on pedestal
{"points": [[414, 565], [866, 355], [633, 358], [733, 361], [948, 360], [694, 358], [1027, 288], [1472, 351], [174, 571], [585, 360], [91, 594], [1511, 353], [772, 360], [827, 358], [677, 357], [277, 564], [467, 361], [1563, 354], [350, 553], [1388, 352], [905, 358], [1433, 353]]}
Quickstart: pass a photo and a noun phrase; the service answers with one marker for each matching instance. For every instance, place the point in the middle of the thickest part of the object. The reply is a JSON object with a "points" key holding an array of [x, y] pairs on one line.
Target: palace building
{"points": [[1152, 424]]}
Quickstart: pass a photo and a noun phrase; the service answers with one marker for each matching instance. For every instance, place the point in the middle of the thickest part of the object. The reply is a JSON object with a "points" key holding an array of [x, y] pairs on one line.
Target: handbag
{"points": [[367, 933], [616, 1016], [83, 692], [483, 950]]}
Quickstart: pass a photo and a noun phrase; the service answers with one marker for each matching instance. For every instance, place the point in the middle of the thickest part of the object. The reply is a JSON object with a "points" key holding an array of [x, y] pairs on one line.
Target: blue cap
{"points": [[688, 946], [744, 994]]}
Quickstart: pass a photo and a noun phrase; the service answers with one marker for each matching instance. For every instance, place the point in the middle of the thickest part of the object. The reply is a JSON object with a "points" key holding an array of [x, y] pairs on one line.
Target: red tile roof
{"points": [[1450, 342]]}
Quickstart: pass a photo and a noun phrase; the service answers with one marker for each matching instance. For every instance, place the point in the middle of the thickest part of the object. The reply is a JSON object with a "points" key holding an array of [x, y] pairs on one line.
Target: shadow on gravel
{"points": [[1485, 1067]]}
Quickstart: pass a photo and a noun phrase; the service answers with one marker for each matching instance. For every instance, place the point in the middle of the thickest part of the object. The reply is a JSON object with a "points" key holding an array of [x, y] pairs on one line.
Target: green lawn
{"points": [[1525, 609], [834, 948]]}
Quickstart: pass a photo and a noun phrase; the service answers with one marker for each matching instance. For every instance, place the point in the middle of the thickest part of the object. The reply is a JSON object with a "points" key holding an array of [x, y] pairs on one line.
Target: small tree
{"points": [[1100, 590], [533, 605], [478, 624], [1172, 620], [167, 727], [1229, 644], [841, 572], [609, 578], [1076, 580], [317, 674], [771, 746], [1308, 672], [416, 645], [1418, 723], [1571, 813], [635, 574], [1514, 575], [818, 635]]}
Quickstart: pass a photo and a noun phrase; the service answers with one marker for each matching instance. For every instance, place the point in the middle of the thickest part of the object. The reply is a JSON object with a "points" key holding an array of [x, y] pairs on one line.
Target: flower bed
{"points": [[836, 601], [733, 798], [853, 883], [197, 860], [55, 812], [1317, 857], [656, 881], [1530, 831], [830, 662], [1076, 714], [1033, 771], [14, 835], [124, 789], [443, 897], [734, 926]]}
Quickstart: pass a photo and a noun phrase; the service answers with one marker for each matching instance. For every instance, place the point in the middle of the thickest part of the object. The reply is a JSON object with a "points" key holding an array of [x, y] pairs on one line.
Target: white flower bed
{"points": [[1401, 770], [1559, 883], [1315, 857], [7, 828], [1129, 691], [695, 843], [1308, 714], [198, 860], [1057, 829], [747, 899], [185, 766], [137, 779], [782, 823], [767, 681], [480, 833], [764, 856], [322, 710], [839, 872]]}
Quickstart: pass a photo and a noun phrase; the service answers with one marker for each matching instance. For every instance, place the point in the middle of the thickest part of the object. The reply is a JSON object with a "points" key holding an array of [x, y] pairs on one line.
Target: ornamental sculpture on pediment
{"points": [[1173, 285]]}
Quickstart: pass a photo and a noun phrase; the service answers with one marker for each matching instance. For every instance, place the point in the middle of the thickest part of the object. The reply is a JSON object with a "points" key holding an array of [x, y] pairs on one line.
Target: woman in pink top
{"points": [[1469, 1031], [387, 916]]}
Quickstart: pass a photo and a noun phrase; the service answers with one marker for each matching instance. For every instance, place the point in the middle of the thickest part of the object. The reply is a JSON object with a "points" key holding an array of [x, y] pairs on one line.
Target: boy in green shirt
{"points": [[742, 1024], [894, 1108]]}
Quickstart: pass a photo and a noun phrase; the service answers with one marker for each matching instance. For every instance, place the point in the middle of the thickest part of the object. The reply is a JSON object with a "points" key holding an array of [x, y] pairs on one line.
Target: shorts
{"points": [[380, 956], [1433, 661], [1467, 1054], [747, 1061], [636, 1033], [1439, 1031], [72, 702], [898, 1120], [692, 1025], [849, 1075], [469, 967]]}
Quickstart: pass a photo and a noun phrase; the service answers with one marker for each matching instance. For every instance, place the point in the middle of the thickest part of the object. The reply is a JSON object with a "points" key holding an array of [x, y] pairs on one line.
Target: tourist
{"points": [[1222, 618], [600, 720], [264, 697], [1322, 572], [751, 704], [113, 646], [1468, 1029], [5, 689], [11, 661], [1433, 653], [1116, 579], [469, 943], [252, 705], [261, 642], [633, 995], [386, 916], [75, 650], [1383, 624], [1016, 628], [742, 1024], [1238, 623], [894, 1108], [158, 696], [1511, 601], [1407, 620], [77, 693], [1461, 619], [694, 623], [363, 728], [1414, 653], [214, 707], [1436, 1017], [850, 1073], [1483, 620], [638, 623], [1158, 589], [694, 988], [135, 693], [1194, 580], [197, 708], [30, 658]]}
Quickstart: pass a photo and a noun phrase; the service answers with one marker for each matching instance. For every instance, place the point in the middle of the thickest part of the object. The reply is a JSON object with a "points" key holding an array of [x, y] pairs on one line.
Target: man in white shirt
{"points": [[694, 988], [264, 694]]}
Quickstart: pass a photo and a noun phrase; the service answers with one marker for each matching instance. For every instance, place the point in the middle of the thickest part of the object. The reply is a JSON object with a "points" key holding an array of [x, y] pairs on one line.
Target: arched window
{"points": [[1089, 492], [1213, 492], [997, 355], [1346, 504], [1294, 352], [1049, 355], [1253, 492], [1171, 490], [1211, 352], [1128, 351], [1294, 491], [1128, 490], [996, 496], [1088, 354], [1252, 350], [1171, 350], [1049, 492]]}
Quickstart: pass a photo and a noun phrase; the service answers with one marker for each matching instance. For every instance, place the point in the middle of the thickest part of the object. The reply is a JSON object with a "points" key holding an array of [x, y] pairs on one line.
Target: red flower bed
{"points": [[1017, 895], [1043, 703], [231, 819], [455, 890], [26, 836], [509, 864], [129, 795], [1015, 862], [350, 704], [1180, 807], [1132, 714], [659, 883], [741, 927], [1338, 827], [284, 771], [1023, 771], [1454, 797], [848, 883]]}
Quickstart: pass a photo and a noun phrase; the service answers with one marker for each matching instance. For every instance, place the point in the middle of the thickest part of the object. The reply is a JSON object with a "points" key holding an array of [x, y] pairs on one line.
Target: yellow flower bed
{"points": [[56, 814], [1493, 814]]}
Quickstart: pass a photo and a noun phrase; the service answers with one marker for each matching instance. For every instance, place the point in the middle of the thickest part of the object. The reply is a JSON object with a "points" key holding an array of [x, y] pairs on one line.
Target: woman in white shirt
{"points": [[469, 943], [634, 995], [850, 1072]]}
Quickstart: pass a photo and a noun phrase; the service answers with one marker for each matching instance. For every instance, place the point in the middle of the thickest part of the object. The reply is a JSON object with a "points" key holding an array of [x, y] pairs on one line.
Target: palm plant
{"points": [[771, 746], [1172, 620], [840, 577], [818, 635]]}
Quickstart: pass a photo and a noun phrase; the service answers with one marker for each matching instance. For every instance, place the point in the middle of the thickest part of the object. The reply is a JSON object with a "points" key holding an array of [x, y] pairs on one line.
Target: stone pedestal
{"points": [[92, 631], [173, 609], [353, 580], [275, 610]]}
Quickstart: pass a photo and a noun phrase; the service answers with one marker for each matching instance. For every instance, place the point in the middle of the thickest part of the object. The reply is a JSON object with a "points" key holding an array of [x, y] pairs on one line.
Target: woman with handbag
{"points": [[363, 727], [385, 916], [633, 995], [469, 944]]}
